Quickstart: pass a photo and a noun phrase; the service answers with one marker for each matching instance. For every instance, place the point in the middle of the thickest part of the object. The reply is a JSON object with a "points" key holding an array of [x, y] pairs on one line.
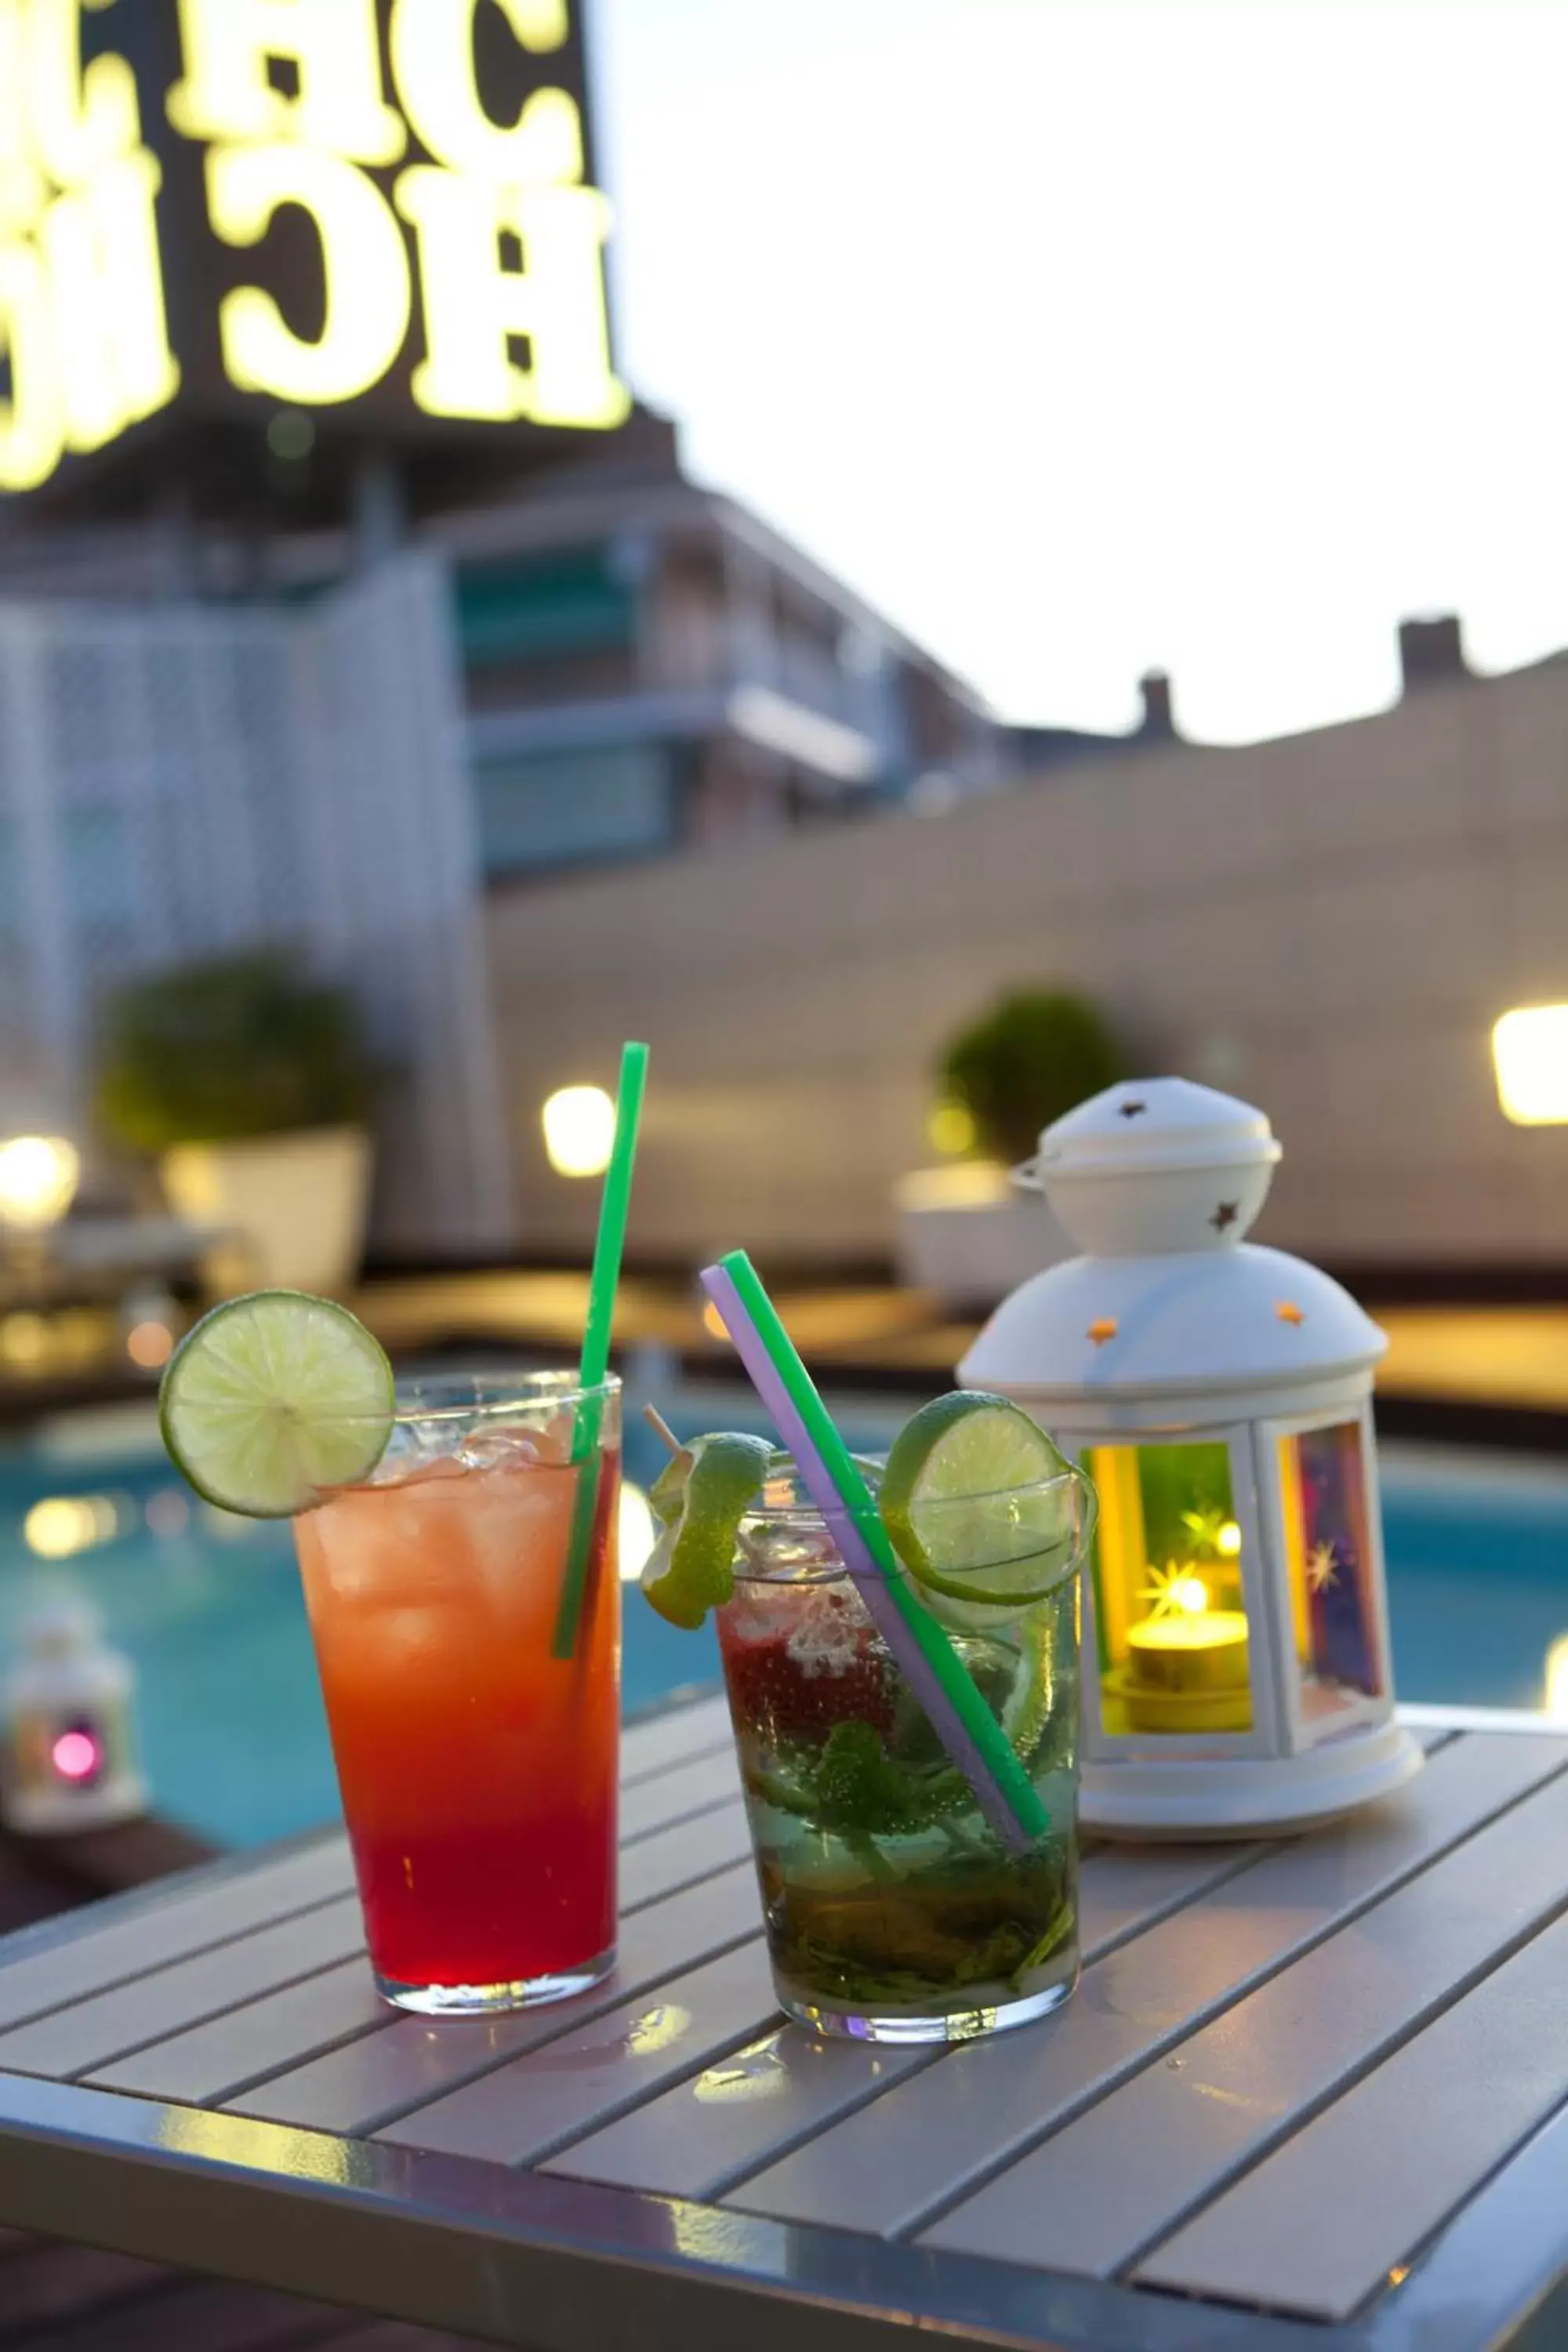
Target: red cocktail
{"points": [[477, 1771]]}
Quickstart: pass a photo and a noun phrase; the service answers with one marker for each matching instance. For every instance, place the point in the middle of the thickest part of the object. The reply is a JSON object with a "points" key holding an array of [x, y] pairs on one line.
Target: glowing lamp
{"points": [[579, 1130], [70, 1752], [38, 1177], [77, 1755], [1219, 1396], [1530, 1056]]}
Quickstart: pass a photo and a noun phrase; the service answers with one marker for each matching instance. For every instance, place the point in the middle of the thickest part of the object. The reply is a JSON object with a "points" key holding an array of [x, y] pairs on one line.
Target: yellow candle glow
{"points": [[1188, 1671], [1190, 1651]]}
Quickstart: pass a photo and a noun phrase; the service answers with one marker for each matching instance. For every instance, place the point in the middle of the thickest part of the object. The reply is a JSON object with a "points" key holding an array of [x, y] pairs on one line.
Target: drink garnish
{"points": [[700, 1499], [272, 1398], [983, 1507]]}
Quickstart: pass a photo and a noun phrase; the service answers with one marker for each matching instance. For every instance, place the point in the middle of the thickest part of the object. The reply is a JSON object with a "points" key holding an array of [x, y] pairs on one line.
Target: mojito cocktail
{"points": [[893, 1912], [477, 1771]]}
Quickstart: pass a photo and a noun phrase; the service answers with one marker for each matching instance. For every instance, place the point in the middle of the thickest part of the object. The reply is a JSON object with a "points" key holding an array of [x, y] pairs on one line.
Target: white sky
{"points": [[1087, 340]]}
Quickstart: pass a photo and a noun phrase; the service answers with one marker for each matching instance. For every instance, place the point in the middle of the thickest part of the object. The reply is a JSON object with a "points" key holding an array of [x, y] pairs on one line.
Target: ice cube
{"points": [[416, 1449], [494, 1446]]}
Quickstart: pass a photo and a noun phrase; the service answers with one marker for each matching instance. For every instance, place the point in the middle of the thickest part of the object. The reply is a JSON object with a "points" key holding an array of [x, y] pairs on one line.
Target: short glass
{"points": [[893, 1911], [478, 1771]]}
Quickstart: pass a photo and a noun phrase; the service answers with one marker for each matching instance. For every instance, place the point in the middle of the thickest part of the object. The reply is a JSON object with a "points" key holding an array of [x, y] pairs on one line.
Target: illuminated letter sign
{"points": [[384, 209], [331, 45], [363, 261], [83, 332]]}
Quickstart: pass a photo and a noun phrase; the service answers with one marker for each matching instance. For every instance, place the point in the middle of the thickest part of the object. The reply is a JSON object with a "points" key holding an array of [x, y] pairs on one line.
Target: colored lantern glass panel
{"points": [[1170, 1619], [1322, 1477]]}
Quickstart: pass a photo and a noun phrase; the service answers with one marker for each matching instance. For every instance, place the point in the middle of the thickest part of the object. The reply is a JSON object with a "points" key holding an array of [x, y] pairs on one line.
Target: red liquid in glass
{"points": [[478, 1772]]}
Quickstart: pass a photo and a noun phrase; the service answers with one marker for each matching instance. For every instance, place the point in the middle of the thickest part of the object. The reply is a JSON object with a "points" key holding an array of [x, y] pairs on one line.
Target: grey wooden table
{"points": [[1310, 2093]]}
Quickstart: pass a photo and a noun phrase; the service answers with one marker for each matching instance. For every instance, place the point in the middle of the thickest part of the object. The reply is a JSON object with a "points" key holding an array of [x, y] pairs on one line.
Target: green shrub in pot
{"points": [[1035, 1054], [253, 1084], [235, 1046]]}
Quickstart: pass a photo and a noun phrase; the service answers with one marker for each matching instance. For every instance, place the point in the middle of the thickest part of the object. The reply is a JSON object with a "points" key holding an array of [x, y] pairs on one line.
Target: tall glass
{"points": [[477, 1771], [893, 1911]]}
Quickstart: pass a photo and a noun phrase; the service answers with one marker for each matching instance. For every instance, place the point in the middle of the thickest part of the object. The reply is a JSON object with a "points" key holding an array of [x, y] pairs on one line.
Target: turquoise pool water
{"points": [[230, 1719]]}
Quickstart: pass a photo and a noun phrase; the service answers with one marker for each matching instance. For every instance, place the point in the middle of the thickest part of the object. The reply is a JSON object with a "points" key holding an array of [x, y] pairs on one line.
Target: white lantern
{"points": [[1219, 1396]]}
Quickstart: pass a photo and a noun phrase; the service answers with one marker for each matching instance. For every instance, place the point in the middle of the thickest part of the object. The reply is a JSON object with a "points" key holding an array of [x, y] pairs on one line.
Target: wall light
{"points": [[1530, 1056], [38, 1177], [60, 1525], [950, 1128], [579, 1128], [1554, 1700], [148, 1345]]}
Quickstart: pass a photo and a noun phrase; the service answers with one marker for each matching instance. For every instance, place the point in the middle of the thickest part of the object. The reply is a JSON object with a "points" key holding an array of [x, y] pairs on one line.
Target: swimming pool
{"points": [[232, 1732]]}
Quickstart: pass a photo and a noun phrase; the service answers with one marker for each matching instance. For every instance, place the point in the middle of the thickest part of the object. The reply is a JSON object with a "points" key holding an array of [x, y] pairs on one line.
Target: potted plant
{"points": [[253, 1085], [964, 1232]]}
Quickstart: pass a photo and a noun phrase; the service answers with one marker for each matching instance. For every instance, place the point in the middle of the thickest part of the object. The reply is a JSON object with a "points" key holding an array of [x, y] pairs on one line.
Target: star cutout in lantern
{"points": [[1322, 1568], [1289, 1312], [1101, 1330], [1174, 1591], [1226, 1214], [1133, 1109]]}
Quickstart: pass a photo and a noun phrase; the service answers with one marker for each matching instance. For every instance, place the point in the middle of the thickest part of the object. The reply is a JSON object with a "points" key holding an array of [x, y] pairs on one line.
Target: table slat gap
{"points": [[679, 2143], [899, 2166], [691, 1857], [923, 2224], [688, 1928], [542, 2103], [154, 2071], [212, 2017], [1175, 2137], [674, 1737], [672, 1798], [899, 2062], [1146, 2254], [331, 1854], [376, 2126], [1504, 2031], [58, 2046]]}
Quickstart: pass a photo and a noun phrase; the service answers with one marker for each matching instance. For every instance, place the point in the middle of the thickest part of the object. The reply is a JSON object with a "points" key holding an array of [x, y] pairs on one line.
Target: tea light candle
{"points": [[1188, 1672], [1207, 1652]]}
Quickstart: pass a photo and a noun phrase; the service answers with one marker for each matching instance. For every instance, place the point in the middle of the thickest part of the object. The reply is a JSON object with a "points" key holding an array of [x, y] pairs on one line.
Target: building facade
{"points": [[1329, 923], [646, 665]]}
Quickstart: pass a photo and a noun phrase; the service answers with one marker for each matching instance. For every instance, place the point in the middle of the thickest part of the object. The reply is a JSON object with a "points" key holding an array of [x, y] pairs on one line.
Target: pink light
{"points": [[75, 1755]]}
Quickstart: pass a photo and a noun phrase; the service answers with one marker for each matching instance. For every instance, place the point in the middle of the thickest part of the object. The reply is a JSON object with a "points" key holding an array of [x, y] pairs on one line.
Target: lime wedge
{"points": [[271, 1398], [700, 1499], [979, 1506]]}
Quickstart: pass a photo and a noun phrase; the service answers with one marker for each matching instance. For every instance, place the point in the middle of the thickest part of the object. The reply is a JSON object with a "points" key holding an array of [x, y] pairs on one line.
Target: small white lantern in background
{"points": [[70, 1748], [1219, 1394]]}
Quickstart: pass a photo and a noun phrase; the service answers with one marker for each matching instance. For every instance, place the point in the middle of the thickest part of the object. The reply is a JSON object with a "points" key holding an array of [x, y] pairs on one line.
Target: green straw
{"points": [[603, 1284], [973, 1734]]}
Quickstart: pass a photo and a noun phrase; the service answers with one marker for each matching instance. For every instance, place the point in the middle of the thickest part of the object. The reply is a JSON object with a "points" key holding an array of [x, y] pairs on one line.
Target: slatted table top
{"points": [[1308, 2092]]}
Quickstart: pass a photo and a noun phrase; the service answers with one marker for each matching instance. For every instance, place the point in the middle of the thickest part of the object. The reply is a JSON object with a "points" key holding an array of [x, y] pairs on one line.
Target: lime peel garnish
{"points": [[700, 1499]]}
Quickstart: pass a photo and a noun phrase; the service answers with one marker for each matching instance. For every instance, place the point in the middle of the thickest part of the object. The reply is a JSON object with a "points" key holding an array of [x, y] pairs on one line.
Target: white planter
{"points": [[292, 1208], [967, 1236]]}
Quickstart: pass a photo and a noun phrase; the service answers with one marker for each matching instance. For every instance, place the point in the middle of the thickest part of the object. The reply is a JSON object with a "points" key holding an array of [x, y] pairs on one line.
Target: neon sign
{"points": [[383, 207]]}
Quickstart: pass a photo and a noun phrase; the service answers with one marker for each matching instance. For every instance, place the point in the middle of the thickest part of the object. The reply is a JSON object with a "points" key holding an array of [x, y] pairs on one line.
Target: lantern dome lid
{"points": [[1150, 1124], [1185, 1320], [1158, 1180], [1155, 1164]]}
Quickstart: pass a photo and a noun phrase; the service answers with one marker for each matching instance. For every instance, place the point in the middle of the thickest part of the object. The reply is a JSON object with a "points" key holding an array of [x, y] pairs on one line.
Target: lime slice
{"points": [[271, 1398], [980, 1507], [701, 1499]]}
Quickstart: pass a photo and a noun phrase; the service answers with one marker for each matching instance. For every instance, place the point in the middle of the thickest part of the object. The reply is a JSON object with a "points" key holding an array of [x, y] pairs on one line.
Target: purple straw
{"points": [[858, 1558]]}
